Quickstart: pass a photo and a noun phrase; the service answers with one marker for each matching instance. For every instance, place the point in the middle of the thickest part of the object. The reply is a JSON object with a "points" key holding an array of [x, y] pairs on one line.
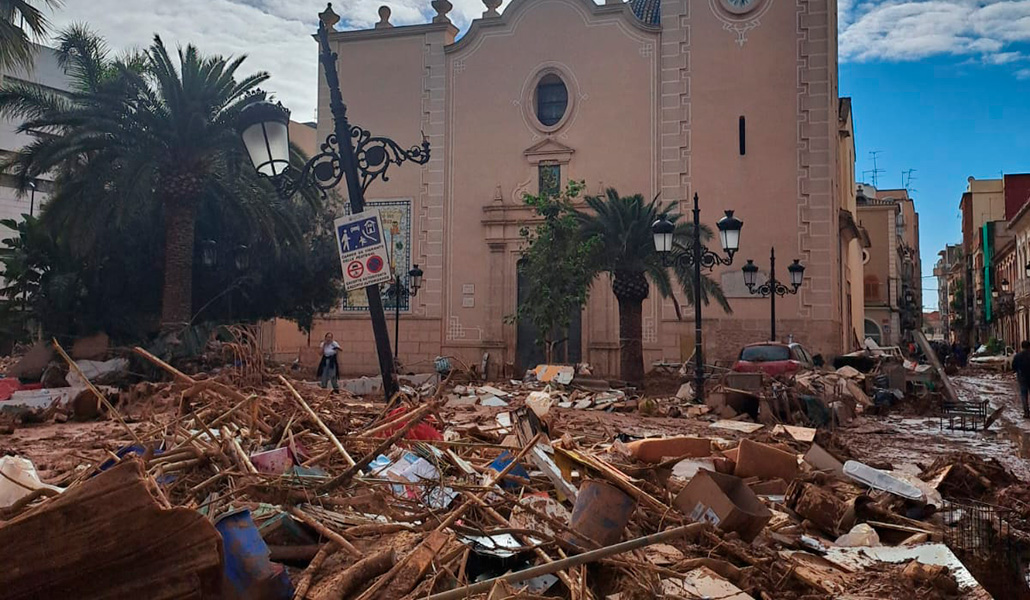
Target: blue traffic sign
{"points": [[359, 234]]}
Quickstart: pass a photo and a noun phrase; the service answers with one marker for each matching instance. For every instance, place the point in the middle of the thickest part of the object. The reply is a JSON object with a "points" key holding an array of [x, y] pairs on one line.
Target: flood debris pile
{"points": [[265, 487]]}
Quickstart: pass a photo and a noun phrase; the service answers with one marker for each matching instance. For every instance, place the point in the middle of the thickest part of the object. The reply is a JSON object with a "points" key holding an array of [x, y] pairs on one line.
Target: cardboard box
{"points": [[765, 462], [653, 450], [773, 487], [821, 460], [726, 502]]}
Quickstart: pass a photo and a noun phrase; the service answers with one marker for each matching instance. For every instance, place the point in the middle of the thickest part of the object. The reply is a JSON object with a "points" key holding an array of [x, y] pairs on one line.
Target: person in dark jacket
{"points": [[1021, 365], [329, 367]]}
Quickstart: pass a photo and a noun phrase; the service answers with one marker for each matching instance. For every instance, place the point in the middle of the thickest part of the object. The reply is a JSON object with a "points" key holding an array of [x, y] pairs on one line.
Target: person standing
{"points": [[1021, 365], [329, 367]]}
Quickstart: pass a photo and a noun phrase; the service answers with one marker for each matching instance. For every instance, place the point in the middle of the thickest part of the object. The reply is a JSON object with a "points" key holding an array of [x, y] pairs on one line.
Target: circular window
{"points": [[552, 100], [865, 256]]}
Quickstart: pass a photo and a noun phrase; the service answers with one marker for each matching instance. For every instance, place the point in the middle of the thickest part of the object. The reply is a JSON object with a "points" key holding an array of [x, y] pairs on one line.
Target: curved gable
{"points": [[625, 12]]}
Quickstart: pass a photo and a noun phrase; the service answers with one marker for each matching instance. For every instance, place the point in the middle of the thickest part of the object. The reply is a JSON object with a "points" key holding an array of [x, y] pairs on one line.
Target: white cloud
{"points": [[1023, 74], [276, 35], [1004, 58], [901, 30]]}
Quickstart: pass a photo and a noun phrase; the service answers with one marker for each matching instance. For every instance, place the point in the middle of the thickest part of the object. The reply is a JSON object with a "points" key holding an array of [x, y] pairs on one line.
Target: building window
{"points": [[871, 286], [552, 100], [549, 179], [872, 331]]}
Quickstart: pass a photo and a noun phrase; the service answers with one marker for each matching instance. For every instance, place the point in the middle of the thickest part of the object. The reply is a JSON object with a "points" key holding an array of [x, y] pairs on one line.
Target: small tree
{"points": [[555, 264]]}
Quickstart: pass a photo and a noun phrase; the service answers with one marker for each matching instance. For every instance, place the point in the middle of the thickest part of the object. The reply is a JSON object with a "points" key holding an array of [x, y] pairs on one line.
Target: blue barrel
{"points": [[248, 570]]}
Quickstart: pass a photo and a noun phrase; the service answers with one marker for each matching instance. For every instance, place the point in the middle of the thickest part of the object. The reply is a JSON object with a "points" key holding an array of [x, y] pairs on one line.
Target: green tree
{"points": [[113, 145], [556, 265], [147, 137], [625, 251], [21, 24]]}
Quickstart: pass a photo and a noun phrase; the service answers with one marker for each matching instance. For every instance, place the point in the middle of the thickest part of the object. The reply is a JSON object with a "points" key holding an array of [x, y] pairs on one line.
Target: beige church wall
{"points": [[607, 139]]}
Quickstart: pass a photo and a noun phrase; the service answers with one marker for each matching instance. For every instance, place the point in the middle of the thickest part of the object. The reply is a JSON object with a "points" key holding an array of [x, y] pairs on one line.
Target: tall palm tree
{"points": [[625, 250], [15, 42], [146, 134]]}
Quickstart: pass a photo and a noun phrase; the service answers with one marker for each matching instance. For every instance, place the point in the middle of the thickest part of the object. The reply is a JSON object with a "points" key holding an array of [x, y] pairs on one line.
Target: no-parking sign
{"points": [[362, 247]]}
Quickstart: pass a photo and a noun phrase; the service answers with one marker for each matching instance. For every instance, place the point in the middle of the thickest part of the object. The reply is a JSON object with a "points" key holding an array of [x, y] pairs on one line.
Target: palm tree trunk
{"points": [[631, 346], [177, 297]]}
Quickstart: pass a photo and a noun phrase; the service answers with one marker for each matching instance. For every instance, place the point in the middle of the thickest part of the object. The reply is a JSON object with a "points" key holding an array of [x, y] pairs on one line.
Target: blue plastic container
{"points": [[503, 461], [248, 570]]}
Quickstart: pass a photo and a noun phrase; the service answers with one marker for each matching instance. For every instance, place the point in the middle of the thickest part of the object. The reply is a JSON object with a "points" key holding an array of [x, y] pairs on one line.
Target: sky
{"points": [[938, 86]]}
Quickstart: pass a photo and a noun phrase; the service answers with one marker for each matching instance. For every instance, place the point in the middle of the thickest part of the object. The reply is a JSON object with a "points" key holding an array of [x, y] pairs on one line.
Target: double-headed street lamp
{"points": [[773, 287], [398, 291], [698, 257], [349, 152]]}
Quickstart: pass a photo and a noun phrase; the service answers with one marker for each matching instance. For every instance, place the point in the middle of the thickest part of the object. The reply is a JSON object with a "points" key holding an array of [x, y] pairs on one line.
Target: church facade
{"points": [[735, 100]]}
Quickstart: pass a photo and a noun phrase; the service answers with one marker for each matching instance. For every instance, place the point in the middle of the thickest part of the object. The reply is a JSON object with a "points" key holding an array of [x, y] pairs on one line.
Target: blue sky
{"points": [[947, 118], [939, 86]]}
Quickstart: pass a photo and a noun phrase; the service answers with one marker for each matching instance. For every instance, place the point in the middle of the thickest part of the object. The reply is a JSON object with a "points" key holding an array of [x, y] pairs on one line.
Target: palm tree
{"points": [[142, 136], [15, 43], [626, 252]]}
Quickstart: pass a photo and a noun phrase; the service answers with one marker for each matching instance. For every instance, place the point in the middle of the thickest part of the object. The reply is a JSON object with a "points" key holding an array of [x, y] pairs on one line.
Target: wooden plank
{"points": [[924, 345], [741, 426], [107, 539], [613, 475], [417, 565]]}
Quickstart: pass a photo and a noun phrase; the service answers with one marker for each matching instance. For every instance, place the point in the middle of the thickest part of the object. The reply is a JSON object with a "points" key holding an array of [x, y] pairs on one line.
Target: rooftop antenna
{"points": [[875, 171], [906, 180]]}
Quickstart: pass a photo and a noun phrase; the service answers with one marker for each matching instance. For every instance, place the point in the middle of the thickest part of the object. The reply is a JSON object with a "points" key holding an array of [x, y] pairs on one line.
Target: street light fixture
{"points": [[349, 153], [773, 287], [208, 253], [32, 197], [398, 291], [1004, 285], [697, 256]]}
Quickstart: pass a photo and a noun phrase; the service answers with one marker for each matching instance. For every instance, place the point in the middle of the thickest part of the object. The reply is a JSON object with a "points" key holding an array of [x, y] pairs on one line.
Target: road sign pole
{"points": [[363, 256]]}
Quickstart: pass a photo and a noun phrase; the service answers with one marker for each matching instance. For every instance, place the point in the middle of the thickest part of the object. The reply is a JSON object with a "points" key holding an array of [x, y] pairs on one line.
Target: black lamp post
{"points": [[698, 257], [773, 287], [349, 152], [397, 291], [32, 198]]}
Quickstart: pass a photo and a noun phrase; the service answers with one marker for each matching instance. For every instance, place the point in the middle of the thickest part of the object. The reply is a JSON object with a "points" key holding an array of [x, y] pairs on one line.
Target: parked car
{"points": [[773, 358]]}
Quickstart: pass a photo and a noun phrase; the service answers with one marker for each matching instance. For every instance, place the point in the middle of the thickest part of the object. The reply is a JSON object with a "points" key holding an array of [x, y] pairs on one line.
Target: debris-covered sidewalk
{"points": [[251, 483]]}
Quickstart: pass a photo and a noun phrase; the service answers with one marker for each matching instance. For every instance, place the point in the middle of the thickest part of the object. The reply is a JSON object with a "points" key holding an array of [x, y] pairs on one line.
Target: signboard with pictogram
{"points": [[362, 246]]}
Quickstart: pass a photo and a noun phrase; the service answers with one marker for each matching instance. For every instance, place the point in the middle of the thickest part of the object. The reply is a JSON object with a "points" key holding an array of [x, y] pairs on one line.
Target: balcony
{"points": [[1021, 289]]}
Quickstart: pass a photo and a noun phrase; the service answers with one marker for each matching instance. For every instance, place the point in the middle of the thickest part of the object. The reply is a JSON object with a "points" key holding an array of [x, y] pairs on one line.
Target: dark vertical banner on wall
{"points": [[988, 306]]}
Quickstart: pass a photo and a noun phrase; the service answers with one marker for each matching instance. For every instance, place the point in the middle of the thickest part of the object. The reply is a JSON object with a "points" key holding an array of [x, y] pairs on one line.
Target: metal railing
{"points": [[1022, 288]]}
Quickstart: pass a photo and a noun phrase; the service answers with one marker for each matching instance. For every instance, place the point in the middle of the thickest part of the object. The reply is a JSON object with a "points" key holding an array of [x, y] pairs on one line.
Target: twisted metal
{"points": [[772, 287], [375, 154], [685, 258], [324, 171]]}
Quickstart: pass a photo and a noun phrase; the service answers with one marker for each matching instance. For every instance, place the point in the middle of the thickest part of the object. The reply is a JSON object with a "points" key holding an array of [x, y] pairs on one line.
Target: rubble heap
{"points": [[251, 484]]}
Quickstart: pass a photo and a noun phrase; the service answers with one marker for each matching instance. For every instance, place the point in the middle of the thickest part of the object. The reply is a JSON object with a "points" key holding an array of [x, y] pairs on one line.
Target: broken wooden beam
{"points": [[107, 538]]}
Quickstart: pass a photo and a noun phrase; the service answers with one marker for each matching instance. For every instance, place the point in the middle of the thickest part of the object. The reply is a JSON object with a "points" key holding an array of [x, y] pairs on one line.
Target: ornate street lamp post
{"points": [[698, 257], [349, 152], [773, 287], [397, 291]]}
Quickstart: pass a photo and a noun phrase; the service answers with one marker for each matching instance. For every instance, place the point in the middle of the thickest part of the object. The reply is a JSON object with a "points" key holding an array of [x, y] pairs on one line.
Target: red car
{"points": [[773, 358]]}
